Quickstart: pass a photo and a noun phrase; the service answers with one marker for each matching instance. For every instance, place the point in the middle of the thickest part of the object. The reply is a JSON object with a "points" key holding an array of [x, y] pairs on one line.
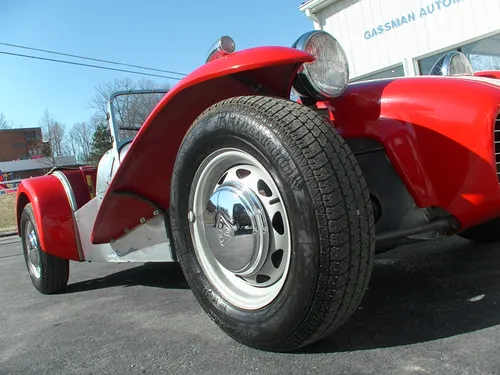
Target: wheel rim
{"points": [[240, 228], [32, 250]]}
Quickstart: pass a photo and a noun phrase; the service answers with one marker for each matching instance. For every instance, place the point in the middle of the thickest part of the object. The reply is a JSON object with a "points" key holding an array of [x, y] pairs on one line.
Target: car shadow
{"points": [[160, 275], [417, 293], [423, 293]]}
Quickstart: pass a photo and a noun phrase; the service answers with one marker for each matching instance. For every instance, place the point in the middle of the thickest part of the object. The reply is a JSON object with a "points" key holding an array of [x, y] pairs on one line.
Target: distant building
{"points": [[19, 169], [23, 154], [392, 38], [22, 143]]}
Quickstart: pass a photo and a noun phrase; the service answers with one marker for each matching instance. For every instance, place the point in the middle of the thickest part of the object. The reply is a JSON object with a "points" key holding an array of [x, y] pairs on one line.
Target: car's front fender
{"points": [[146, 170]]}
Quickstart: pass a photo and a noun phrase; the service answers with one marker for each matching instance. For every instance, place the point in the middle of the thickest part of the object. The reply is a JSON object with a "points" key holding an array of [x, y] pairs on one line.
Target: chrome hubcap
{"points": [[32, 250], [236, 228], [240, 228]]}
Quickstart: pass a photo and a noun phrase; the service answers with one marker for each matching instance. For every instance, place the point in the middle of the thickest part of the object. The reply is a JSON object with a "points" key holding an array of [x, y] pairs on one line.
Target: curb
{"points": [[7, 234]]}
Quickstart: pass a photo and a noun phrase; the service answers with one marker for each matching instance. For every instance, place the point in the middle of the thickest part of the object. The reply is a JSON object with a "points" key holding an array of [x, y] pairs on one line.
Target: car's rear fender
{"points": [[142, 182], [55, 197]]}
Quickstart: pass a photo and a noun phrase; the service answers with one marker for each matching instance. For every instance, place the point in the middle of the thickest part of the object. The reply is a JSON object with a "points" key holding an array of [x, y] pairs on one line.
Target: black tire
{"points": [[488, 232], [54, 271], [331, 219]]}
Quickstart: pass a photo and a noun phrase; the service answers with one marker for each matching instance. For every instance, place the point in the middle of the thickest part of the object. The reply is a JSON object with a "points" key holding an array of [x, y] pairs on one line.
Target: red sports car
{"points": [[274, 207]]}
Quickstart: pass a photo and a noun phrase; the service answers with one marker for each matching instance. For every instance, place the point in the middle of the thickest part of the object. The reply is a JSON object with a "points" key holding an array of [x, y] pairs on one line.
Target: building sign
{"points": [[413, 16]]}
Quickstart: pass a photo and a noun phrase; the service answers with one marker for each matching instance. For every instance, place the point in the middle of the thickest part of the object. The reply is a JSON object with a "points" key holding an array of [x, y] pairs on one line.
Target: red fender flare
{"points": [[146, 170], [53, 209], [53, 215]]}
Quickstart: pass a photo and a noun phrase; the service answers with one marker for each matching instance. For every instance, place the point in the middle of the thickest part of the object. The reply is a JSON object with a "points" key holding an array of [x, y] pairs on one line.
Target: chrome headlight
{"points": [[221, 47], [328, 75], [452, 64]]}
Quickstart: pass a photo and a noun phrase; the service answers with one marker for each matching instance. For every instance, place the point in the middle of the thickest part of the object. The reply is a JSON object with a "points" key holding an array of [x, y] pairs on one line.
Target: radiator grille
{"points": [[497, 145]]}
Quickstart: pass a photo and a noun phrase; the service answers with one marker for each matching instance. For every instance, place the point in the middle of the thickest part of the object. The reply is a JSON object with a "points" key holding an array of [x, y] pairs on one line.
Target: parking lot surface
{"points": [[433, 308]]}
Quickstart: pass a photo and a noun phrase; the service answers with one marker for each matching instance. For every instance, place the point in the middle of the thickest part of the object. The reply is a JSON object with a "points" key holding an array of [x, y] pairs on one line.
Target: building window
{"points": [[31, 136], [396, 71], [483, 54]]}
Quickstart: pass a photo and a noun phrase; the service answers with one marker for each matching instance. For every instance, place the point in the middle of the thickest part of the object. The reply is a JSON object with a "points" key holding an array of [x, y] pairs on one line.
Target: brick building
{"points": [[22, 143], [24, 154]]}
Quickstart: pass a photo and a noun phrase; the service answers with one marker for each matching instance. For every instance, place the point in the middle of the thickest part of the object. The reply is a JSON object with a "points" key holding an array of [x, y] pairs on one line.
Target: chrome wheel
{"points": [[32, 250], [240, 229]]}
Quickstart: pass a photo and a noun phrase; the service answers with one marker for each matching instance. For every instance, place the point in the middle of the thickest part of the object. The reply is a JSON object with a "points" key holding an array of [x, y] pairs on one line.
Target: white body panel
{"points": [[379, 34], [147, 243], [108, 165]]}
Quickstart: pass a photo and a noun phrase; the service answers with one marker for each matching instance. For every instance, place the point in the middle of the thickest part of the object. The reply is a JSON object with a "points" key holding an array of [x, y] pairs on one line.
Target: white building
{"points": [[387, 38]]}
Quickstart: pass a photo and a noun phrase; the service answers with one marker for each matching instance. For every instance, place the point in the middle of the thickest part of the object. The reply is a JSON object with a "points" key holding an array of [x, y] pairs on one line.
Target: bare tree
{"points": [[54, 135], [4, 124], [80, 139], [104, 90], [130, 110], [484, 62]]}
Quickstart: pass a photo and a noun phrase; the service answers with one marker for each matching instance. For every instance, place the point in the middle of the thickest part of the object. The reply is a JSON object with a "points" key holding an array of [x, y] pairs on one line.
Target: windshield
{"points": [[129, 111]]}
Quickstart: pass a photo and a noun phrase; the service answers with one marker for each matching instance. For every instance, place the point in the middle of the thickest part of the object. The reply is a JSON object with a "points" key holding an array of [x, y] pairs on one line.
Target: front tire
{"points": [[49, 274], [301, 268]]}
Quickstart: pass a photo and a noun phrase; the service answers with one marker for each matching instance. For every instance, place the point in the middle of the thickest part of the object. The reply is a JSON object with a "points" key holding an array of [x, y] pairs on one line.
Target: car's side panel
{"points": [[438, 134], [146, 170], [147, 243], [54, 204]]}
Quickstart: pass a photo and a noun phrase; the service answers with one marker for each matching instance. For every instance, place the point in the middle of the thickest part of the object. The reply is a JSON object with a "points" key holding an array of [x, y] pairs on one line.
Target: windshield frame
{"points": [[113, 126]]}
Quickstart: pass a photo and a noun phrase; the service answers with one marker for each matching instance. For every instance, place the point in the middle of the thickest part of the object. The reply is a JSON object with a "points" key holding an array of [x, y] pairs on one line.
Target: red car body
{"points": [[438, 133], [162, 133], [159, 138], [419, 156]]}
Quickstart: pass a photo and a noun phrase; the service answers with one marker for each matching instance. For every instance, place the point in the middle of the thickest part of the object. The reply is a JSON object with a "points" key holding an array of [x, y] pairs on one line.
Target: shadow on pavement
{"points": [[162, 275], [423, 293], [416, 294]]}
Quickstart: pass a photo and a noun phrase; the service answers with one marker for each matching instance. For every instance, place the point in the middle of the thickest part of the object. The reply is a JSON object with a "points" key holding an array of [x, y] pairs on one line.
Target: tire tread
{"points": [[344, 212], [341, 200]]}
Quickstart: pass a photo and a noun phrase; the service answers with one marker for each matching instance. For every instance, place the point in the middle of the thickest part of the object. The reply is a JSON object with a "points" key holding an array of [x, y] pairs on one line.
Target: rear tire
{"points": [[325, 225], [49, 274]]}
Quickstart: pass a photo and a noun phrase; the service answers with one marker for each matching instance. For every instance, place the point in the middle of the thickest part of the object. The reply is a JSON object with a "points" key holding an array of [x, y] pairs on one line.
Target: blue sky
{"points": [[171, 35]]}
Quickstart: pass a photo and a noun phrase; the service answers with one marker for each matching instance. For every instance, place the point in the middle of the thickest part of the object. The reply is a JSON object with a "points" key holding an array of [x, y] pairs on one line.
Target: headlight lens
{"points": [[328, 75], [452, 64], [221, 47]]}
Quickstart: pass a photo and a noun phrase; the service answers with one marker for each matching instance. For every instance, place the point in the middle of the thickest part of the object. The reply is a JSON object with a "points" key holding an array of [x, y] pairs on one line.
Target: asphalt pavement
{"points": [[433, 308]]}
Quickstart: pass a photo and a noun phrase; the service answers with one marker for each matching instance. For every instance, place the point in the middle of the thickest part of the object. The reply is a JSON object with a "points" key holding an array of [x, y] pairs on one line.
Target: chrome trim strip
{"points": [[72, 203]]}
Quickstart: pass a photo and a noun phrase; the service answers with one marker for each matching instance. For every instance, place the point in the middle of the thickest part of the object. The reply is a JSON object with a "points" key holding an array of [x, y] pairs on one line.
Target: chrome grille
{"points": [[497, 145]]}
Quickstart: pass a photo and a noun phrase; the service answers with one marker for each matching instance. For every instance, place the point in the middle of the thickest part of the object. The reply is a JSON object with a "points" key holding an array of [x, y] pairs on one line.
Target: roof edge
{"points": [[21, 129], [311, 7]]}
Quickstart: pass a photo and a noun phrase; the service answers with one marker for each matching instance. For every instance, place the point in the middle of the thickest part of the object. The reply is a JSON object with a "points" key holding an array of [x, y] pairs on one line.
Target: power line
{"points": [[92, 59], [87, 65]]}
